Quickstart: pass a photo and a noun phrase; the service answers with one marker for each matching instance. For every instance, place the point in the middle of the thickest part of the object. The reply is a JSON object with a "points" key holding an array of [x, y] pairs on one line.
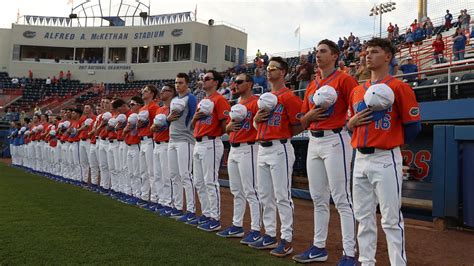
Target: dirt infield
{"points": [[424, 245]]}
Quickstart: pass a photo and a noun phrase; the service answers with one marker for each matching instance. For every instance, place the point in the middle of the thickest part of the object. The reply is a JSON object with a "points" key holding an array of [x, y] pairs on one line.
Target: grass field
{"points": [[44, 222]]}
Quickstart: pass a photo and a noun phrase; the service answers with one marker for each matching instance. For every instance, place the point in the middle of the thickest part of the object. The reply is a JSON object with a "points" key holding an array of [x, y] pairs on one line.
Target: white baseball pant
{"points": [[45, 152], [328, 164], [84, 149], [378, 179], [146, 166], [180, 164], [242, 168], [123, 169], [113, 162], [38, 157], [207, 160], [65, 170], [94, 162], [133, 182], [103, 164], [274, 170], [13, 153], [74, 161], [161, 174]]}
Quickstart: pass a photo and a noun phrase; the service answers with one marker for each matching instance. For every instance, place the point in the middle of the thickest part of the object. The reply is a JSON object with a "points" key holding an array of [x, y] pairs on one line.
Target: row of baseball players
{"points": [[149, 154]]}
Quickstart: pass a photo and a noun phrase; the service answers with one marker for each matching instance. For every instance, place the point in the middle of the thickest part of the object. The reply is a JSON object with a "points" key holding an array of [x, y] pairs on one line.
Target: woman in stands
{"points": [[459, 44], [438, 46]]}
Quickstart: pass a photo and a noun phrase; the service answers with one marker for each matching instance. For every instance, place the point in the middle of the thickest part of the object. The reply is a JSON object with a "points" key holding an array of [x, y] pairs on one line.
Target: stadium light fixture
{"points": [[379, 9]]}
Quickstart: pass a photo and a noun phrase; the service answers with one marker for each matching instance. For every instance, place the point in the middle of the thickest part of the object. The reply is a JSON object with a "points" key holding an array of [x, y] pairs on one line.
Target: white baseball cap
{"points": [[206, 106], [88, 122], [177, 105], [121, 118], [143, 115], [133, 119], [160, 120], [53, 127], [379, 98], [52, 132], [112, 122], [34, 129], [66, 124], [27, 132], [325, 97], [267, 101], [106, 115], [238, 112], [39, 127], [23, 129]]}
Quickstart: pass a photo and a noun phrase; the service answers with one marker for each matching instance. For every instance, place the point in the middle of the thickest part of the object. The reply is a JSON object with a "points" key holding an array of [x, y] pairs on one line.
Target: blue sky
{"points": [[270, 25]]}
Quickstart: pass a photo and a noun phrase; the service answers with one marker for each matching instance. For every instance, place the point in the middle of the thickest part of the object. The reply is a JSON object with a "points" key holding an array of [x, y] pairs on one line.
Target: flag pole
{"points": [[299, 40]]}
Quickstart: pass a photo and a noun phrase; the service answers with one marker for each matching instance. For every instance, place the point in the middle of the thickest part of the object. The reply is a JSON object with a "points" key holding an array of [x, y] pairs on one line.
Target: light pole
{"points": [[379, 10]]}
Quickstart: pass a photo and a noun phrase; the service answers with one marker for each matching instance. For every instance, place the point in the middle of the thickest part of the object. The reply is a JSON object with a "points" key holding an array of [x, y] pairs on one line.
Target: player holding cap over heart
{"points": [[329, 156], [384, 115], [242, 160], [276, 122]]}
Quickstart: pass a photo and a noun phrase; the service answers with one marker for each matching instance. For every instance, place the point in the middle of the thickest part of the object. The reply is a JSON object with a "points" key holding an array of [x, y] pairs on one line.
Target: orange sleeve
{"points": [[223, 108], [348, 84], [293, 105], [305, 107], [405, 100], [153, 110], [350, 109]]}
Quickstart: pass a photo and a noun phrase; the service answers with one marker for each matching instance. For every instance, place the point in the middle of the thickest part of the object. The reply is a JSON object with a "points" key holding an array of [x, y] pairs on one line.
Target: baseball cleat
{"points": [[347, 261], [188, 217], [151, 207], [166, 211], [159, 207], [283, 249], [176, 214], [251, 237], [232, 231], [311, 255], [265, 242], [199, 220], [211, 226], [141, 203]]}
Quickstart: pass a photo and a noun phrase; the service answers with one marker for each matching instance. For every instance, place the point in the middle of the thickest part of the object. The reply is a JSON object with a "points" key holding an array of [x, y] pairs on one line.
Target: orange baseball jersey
{"points": [[152, 107], [388, 132], [285, 114], [163, 133], [211, 125], [85, 132], [64, 136], [343, 84], [74, 135], [120, 135], [48, 136], [247, 132], [103, 130], [53, 142], [132, 136], [111, 132]]}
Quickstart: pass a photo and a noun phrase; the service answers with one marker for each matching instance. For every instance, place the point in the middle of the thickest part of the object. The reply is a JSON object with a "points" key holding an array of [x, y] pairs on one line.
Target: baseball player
{"points": [[161, 138], [133, 182], [329, 153], [242, 161], [43, 145], [209, 125], [121, 107], [73, 153], [112, 152], [12, 138], [276, 122], [384, 115], [88, 119], [103, 143], [65, 123], [180, 148], [145, 116], [93, 156]]}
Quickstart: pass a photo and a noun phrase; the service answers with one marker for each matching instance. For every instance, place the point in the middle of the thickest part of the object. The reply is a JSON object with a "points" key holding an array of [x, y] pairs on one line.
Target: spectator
{"points": [[459, 44], [37, 110], [131, 76], [429, 28], [304, 71], [48, 81], [460, 17], [125, 77], [466, 21], [55, 80], [310, 57], [363, 73], [390, 30], [224, 90], [259, 54], [393, 66], [396, 32], [265, 59], [291, 78], [68, 75], [438, 46], [352, 69], [30, 74], [409, 67], [259, 80], [447, 20], [342, 66], [340, 43], [199, 92], [409, 38], [61, 75], [418, 35], [414, 25]]}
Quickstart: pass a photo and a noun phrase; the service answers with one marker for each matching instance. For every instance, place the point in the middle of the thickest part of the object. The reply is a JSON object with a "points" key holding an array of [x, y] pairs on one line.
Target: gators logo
{"points": [[414, 111]]}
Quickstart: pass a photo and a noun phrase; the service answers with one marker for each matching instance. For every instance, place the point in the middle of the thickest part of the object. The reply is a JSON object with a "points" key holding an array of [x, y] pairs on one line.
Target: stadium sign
{"points": [[29, 34], [105, 67], [177, 32], [100, 36]]}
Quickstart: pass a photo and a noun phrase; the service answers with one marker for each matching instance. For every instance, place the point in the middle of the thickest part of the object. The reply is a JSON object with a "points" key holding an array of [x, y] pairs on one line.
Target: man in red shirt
{"points": [[161, 137], [275, 160], [329, 153], [145, 117], [242, 160], [208, 151], [86, 120], [133, 183]]}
